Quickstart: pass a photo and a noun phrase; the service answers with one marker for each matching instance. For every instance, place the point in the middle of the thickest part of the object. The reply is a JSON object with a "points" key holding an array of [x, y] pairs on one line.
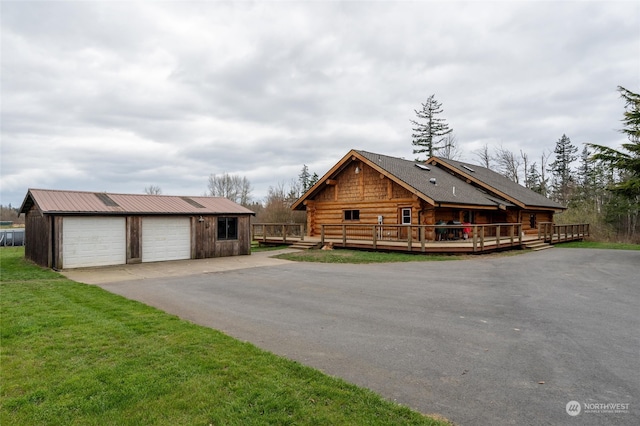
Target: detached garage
{"points": [[74, 229]]}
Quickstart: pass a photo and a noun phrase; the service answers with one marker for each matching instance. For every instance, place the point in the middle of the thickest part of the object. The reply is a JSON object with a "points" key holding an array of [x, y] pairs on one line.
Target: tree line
{"points": [[599, 185]]}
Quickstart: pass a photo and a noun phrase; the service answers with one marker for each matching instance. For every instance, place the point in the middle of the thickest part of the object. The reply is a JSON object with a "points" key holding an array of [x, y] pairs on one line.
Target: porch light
{"points": [[357, 169]]}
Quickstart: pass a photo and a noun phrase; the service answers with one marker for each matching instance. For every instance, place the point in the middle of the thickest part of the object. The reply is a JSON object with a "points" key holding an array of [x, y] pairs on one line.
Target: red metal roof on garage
{"points": [[82, 202]]}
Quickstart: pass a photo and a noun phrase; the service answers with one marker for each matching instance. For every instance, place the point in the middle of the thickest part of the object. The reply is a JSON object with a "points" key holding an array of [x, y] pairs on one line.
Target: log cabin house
{"points": [[71, 229], [368, 188]]}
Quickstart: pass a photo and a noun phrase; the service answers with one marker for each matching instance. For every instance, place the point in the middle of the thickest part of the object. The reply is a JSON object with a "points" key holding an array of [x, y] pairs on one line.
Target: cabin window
{"points": [[406, 216], [532, 221], [469, 217], [227, 228], [352, 215]]}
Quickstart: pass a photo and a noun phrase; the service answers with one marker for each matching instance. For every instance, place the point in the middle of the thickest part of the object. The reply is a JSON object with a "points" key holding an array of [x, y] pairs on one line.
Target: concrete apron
{"points": [[175, 268]]}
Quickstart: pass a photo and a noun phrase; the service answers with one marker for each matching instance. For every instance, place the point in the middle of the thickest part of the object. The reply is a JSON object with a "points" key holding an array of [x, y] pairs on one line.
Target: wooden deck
{"points": [[423, 238]]}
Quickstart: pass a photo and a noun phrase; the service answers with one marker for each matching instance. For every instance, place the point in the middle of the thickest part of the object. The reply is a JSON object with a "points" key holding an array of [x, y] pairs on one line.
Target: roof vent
{"points": [[468, 168], [433, 181], [423, 167]]}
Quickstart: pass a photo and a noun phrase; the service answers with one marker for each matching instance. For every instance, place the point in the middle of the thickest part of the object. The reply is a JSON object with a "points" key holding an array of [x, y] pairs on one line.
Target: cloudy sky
{"points": [[119, 95]]}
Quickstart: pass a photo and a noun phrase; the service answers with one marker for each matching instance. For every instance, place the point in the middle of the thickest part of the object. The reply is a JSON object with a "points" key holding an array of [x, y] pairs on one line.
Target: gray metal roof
{"points": [[447, 189], [502, 184], [82, 202]]}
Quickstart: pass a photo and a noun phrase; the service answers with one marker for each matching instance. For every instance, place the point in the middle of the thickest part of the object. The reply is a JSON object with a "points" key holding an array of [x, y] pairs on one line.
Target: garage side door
{"points": [[93, 241], [166, 238]]}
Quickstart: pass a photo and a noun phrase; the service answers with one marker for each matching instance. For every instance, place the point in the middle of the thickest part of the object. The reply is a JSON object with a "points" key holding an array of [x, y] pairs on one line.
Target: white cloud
{"points": [[119, 95]]}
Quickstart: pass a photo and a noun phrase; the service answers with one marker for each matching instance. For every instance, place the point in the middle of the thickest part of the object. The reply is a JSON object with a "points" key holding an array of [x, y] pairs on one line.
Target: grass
{"points": [[359, 256], [599, 245], [258, 248], [74, 354]]}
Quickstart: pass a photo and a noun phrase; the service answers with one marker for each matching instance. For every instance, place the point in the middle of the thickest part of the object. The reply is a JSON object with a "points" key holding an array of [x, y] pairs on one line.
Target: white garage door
{"points": [[166, 238], [93, 241]]}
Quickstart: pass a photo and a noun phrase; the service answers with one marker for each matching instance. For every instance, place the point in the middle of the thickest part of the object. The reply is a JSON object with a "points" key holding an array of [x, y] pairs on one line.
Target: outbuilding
{"points": [[73, 229]]}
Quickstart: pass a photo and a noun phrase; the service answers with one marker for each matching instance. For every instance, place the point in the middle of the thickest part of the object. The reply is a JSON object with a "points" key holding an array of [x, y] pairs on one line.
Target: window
{"points": [[469, 217], [406, 216], [352, 215], [227, 228], [532, 221]]}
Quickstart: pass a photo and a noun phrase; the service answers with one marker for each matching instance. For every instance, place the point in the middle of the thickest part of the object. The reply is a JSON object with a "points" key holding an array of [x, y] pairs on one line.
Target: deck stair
{"points": [[537, 245], [306, 245]]}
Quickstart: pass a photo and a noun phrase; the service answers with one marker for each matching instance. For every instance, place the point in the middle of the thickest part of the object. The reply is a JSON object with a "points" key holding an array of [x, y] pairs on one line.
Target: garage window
{"points": [[227, 228]]}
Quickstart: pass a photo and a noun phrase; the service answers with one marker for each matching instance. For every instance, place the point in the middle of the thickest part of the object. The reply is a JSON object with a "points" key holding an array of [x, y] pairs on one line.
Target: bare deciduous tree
{"points": [[232, 187], [484, 156], [525, 162], [277, 206], [153, 190], [450, 149], [508, 164]]}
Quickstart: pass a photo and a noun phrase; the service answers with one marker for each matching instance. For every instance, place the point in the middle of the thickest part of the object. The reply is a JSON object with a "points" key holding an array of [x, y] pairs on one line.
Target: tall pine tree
{"points": [[430, 130], [563, 179]]}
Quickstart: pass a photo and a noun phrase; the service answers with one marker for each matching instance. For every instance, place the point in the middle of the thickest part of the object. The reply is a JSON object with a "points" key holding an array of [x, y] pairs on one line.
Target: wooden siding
{"points": [[134, 239], [205, 236], [43, 238], [37, 237], [241, 246]]}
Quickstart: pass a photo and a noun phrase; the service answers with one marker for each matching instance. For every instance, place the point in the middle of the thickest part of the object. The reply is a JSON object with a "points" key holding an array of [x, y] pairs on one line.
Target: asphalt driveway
{"points": [[490, 340]]}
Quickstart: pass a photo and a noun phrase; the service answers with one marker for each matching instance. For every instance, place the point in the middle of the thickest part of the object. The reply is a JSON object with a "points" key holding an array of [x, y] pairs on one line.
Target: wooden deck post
{"points": [[511, 228], [374, 235], [482, 238], [284, 234], [422, 237], [497, 236], [322, 234], [344, 235], [519, 234], [475, 238]]}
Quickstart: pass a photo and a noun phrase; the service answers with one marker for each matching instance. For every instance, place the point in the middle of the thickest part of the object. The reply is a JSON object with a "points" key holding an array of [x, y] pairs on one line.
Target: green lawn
{"points": [[360, 256], [599, 245], [74, 354]]}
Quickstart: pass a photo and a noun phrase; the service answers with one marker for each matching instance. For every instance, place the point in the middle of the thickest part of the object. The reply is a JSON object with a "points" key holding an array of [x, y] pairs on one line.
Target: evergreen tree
{"points": [[563, 179], [305, 178], [626, 201], [314, 179], [628, 164], [532, 180], [430, 131]]}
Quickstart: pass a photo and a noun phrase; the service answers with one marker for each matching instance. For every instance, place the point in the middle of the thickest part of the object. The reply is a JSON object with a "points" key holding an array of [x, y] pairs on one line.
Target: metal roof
{"points": [[81, 202]]}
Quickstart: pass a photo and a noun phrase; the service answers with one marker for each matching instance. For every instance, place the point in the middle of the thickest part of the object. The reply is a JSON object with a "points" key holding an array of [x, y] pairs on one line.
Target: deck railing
{"points": [[476, 238], [264, 231], [552, 233], [496, 234]]}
